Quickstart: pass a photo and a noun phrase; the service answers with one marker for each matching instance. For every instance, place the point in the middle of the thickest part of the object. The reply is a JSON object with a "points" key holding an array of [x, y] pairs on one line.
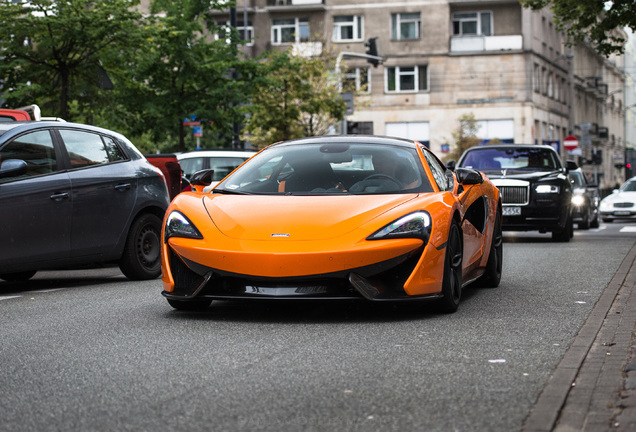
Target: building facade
{"points": [[504, 64]]}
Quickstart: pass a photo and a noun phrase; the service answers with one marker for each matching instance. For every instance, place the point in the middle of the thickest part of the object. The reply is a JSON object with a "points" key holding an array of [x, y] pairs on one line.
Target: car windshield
{"points": [[577, 179], [522, 158], [630, 186], [329, 169]]}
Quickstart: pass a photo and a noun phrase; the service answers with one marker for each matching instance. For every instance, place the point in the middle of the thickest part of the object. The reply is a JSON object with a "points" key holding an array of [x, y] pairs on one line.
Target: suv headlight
{"points": [[546, 188], [178, 225]]}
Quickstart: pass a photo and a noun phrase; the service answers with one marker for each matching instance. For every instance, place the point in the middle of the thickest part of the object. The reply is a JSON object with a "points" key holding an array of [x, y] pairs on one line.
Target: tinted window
{"points": [[511, 158], [438, 170], [36, 149], [222, 166], [87, 148]]}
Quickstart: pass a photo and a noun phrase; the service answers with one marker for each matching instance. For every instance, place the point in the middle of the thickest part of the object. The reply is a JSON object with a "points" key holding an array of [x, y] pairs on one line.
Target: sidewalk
{"points": [[593, 388]]}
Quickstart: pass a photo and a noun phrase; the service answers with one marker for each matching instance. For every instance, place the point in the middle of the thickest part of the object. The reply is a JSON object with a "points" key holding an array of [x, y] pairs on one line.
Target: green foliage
{"points": [[296, 97], [58, 51], [465, 136], [593, 20]]}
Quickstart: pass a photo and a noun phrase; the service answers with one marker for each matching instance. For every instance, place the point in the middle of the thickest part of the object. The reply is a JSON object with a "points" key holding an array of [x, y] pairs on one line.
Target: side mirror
{"points": [[201, 179], [467, 176], [451, 165], [570, 166], [12, 168]]}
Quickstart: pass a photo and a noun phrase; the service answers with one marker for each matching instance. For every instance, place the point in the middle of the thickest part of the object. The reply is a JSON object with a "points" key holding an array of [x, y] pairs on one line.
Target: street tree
{"points": [[54, 53], [593, 20], [296, 97], [464, 137], [183, 71]]}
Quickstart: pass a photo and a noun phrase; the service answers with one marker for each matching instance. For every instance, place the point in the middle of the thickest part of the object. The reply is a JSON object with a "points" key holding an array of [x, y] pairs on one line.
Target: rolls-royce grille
{"points": [[514, 194]]}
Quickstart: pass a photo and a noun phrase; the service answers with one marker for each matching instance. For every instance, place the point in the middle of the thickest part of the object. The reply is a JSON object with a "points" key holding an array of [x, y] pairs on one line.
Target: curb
{"points": [[589, 390]]}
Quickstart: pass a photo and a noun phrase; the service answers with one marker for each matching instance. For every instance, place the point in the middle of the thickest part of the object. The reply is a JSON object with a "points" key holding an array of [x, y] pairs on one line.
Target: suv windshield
{"points": [[329, 169], [535, 159]]}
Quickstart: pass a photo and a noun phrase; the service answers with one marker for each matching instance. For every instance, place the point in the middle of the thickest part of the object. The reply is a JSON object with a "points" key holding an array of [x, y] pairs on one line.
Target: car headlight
{"points": [[578, 200], [546, 188], [604, 205], [178, 225], [414, 225]]}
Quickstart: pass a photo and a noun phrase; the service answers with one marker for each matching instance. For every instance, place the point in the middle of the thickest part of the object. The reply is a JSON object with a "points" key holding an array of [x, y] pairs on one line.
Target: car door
{"points": [[104, 185], [474, 208], [36, 206]]}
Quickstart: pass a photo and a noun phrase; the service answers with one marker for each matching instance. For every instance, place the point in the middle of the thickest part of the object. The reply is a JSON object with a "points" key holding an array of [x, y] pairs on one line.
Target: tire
{"points": [[564, 234], [595, 222], [191, 305], [608, 220], [585, 223], [492, 275], [452, 281], [18, 277], [141, 259]]}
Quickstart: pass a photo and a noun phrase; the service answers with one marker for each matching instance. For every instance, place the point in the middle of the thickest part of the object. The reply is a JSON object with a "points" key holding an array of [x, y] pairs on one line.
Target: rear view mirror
{"points": [[12, 168], [451, 165], [468, 176], [201, 179]]}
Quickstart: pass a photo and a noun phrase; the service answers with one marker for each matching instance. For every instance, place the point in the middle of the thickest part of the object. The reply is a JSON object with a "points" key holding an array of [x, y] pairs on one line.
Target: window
{"points": [[438, 170], [406, 79], [356, 80], [245, 34], [417, 131], [291, 30], [85, 148], [36, 149], [472, 23], [536, 79], [347, 28], [405, 26]]}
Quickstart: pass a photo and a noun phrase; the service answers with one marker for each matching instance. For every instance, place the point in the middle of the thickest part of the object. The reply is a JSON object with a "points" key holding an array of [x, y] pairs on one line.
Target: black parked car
{"points": [[536, 191], [74, 195], [585, 200]]}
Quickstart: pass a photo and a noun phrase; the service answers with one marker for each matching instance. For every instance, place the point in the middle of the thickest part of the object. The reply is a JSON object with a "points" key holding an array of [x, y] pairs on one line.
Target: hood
{"points": [[522, 174], [296, 218], [620, 197]]}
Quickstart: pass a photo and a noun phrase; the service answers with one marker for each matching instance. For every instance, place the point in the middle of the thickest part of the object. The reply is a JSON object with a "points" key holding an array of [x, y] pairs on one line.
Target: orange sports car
{"points": [[336, 217]]}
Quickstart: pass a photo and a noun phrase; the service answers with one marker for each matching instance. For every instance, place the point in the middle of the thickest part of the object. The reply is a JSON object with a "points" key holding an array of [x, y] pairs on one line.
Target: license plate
{"points": [[512, 211], [622, 213]]}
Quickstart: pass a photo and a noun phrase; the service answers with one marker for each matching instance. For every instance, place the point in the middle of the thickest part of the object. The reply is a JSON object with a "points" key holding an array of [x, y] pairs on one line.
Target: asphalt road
{"points": [[91, 351]]}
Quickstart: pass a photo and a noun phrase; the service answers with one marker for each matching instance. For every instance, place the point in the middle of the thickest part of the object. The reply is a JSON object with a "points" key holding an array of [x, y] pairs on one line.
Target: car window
{"points": [[191, 165], [630, 186], [222, 166], [439, 172], [36, 149], [87, 148]]}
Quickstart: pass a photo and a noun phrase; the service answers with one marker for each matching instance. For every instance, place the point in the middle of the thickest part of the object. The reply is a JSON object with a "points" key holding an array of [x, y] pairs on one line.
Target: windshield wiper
{"points": [[229, 192]]}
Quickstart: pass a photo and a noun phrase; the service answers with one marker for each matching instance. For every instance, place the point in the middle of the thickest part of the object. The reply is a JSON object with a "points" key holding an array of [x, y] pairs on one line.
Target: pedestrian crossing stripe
{"points": [[628, 229]]}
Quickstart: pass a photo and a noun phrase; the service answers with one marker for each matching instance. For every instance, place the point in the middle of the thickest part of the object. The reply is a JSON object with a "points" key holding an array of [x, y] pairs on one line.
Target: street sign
{"points": [[570, 142]]}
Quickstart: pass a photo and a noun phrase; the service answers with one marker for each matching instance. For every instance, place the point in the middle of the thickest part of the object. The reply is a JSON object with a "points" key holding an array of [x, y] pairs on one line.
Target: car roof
{"points": [[513, 146], [20, 126], [349, 139], [215, 153]]}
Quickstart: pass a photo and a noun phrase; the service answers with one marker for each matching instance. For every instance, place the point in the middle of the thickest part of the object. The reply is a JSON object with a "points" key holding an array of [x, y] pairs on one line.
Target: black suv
{"points": [[535, 189]]}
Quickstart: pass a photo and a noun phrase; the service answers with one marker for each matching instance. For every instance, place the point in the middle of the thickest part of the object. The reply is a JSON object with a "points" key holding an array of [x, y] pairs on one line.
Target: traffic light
{"points": [[597, 156], [372, 51]]}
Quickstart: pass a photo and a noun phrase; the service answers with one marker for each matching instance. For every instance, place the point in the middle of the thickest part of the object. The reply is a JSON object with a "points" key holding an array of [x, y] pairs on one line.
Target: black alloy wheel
{"points": [[452, 282], [492, 275]]}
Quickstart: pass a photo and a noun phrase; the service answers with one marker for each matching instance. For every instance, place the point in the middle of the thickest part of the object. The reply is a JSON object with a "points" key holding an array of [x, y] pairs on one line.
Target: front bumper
{"points": [[378, 282], [618, 214]]}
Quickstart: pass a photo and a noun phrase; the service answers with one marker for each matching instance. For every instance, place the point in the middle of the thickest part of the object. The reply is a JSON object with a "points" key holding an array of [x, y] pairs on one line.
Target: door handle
{"points": [[59, 196], [123, 187]]}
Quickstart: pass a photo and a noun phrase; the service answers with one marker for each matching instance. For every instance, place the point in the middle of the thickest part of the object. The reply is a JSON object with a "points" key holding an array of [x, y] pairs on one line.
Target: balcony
{"points": [[486, 43], [274, 3]]}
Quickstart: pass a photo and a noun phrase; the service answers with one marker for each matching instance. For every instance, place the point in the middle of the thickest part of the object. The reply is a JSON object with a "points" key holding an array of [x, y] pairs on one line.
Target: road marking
{"points": [[628, 229]]}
